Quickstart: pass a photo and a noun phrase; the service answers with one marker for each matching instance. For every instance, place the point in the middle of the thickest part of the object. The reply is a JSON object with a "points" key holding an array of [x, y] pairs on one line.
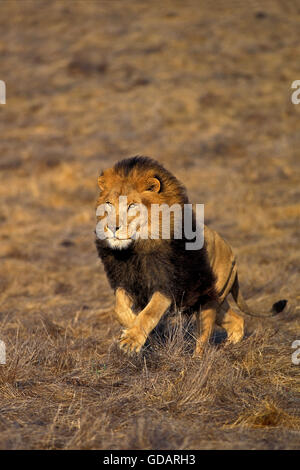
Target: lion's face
{"points": [[130, 193], [125, 208]]}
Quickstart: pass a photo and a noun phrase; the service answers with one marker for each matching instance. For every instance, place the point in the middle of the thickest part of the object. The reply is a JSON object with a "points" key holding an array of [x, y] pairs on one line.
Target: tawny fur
{"points": [[151, 277]]}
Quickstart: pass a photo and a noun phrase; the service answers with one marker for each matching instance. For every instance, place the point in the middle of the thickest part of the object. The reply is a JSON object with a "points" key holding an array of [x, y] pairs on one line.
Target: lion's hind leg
{"points": [[205, 321], [231, 322]]}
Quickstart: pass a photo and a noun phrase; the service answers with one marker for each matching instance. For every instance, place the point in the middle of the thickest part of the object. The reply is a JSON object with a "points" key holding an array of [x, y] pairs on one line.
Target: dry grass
{"points": [[204, 88]]}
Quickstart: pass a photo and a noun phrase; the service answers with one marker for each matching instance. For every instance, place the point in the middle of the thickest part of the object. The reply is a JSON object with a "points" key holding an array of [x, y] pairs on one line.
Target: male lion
{"points": [[151, 276]]}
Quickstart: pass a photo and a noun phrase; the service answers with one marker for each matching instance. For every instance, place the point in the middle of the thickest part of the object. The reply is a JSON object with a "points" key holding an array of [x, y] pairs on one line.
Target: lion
{"points": [[153, 275]]}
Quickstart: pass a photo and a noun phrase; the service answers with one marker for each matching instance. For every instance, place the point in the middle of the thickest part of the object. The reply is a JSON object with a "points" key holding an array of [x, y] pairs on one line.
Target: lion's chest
{"points": [[140, 276], [183, 276]]}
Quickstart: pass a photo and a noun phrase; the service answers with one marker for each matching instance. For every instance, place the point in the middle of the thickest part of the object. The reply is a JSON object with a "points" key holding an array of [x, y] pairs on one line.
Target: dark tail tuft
{"points": [[278, 306]]}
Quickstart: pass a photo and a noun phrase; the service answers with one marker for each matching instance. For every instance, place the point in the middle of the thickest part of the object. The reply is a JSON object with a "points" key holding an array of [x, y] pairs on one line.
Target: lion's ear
{"points": [[101, 182], [153, 184]]}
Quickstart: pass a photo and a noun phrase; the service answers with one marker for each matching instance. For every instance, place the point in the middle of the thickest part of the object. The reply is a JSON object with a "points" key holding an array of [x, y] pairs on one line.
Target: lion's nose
{"points": [[114, 228]]}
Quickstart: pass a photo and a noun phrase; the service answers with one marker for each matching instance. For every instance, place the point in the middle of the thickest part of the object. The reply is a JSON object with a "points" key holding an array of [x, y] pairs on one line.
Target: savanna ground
{"points": [[204, 87]]}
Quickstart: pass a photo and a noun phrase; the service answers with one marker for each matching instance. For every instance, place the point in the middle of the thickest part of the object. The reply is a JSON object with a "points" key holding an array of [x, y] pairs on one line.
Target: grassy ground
{"points": [[204, 87]]}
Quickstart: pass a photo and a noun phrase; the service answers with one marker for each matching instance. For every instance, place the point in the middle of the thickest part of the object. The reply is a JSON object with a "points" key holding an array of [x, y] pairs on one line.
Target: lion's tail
{"points": [[242, 304]]}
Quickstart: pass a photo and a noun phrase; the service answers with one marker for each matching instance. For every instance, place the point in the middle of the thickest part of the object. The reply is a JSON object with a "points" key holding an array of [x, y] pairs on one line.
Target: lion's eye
{"points": [[131, 206]]}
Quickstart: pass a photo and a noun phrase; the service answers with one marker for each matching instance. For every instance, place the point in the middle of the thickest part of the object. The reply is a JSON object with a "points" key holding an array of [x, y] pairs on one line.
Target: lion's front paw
{"points": [[132, 340]]}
